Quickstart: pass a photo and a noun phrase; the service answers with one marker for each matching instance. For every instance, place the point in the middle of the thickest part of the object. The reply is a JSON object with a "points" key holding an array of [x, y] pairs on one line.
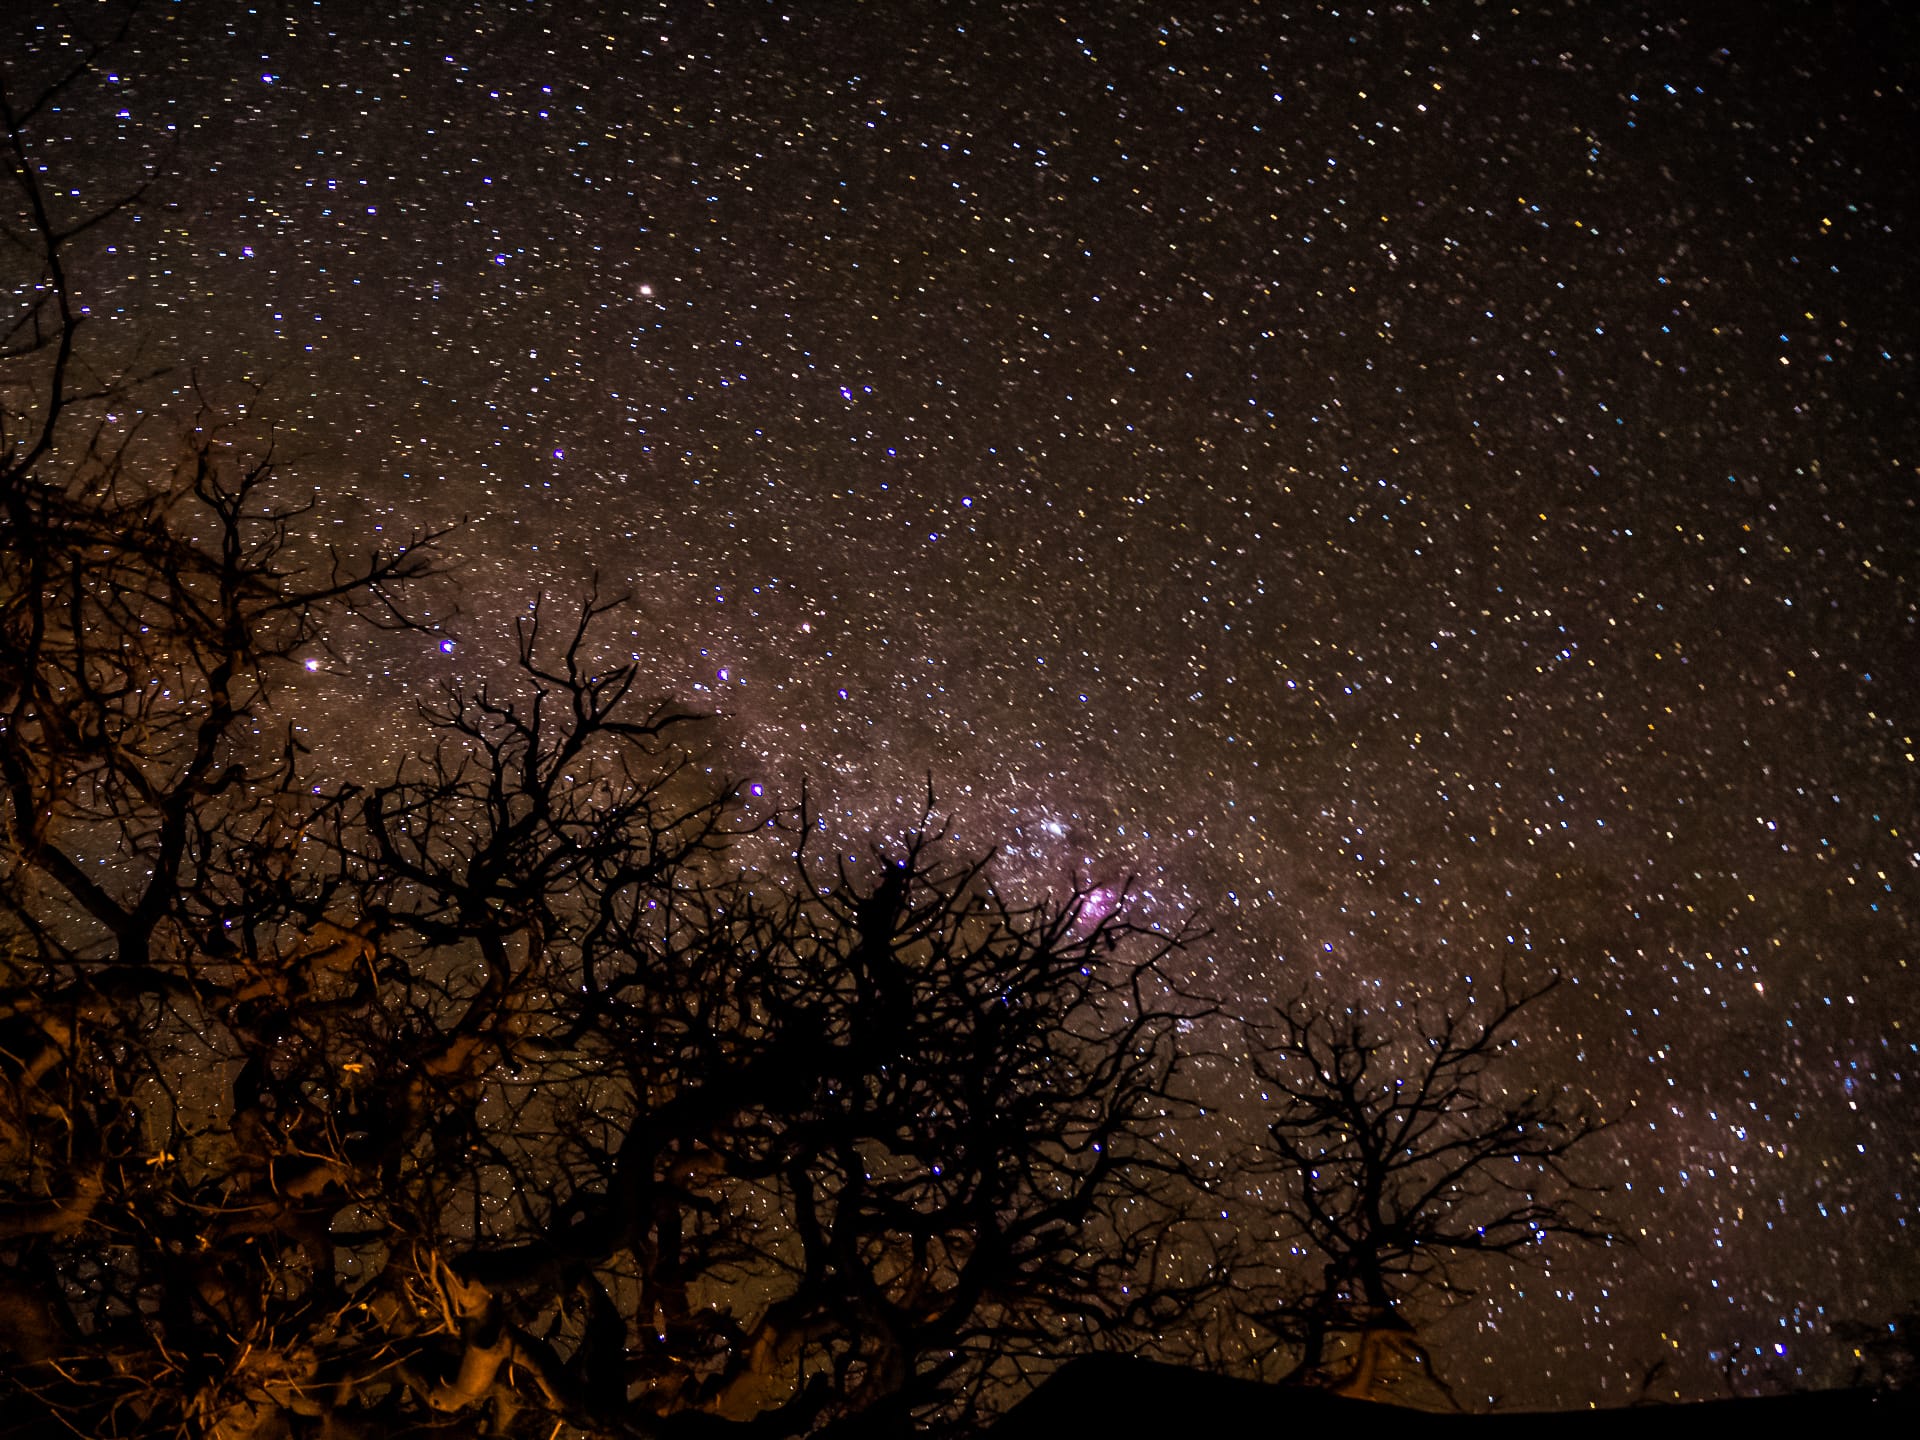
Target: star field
{"points": [[1433, 486]]}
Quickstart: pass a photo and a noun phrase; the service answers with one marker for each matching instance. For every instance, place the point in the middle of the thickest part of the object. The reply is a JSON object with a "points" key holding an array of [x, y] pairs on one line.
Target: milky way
{"points": [[1433, 486]]}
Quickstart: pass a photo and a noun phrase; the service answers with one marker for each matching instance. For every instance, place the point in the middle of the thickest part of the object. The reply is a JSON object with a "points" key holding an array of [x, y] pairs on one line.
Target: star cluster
{"points": [[1433, 485]]}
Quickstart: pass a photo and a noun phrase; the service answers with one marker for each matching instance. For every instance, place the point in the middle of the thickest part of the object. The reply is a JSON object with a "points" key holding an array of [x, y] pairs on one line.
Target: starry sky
{"points": [[1431, 485]]}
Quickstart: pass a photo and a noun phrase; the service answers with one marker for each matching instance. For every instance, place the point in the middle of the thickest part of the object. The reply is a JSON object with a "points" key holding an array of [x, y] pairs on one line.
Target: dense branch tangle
{"points": [[515, 1095], [782, 1145]]}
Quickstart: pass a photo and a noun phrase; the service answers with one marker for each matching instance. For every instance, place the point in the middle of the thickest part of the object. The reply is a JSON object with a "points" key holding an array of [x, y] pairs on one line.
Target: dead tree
{"points": [[531, 1085], [701, 1125], [1393, 1154]]}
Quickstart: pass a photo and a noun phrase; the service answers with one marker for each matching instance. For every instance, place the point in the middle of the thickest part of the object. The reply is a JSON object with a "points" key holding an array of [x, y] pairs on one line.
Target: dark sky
{"points": [[1434, 485]]}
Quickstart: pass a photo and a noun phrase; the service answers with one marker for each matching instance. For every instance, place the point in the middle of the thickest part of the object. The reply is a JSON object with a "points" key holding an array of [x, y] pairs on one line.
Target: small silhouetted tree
{"points": [[1394, 1152]]}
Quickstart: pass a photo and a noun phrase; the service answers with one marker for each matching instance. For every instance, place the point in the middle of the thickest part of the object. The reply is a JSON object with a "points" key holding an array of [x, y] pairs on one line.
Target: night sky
{"points": [[1432, 486]]}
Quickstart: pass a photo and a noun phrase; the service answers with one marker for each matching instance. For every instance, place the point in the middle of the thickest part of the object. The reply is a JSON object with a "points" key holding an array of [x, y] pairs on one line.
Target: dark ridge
{"points": [[1119, 1395]]}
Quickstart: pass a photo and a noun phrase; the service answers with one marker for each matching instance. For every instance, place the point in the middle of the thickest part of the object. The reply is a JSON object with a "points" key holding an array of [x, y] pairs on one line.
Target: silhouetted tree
{"points": [[501, 1088], [543, 1086], [1393, 1152]]}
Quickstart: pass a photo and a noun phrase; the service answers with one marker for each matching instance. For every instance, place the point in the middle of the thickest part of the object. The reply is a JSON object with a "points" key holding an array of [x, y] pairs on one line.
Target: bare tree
{"points": [[546, 1085], [1395, 1153], [505, 1089]]}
